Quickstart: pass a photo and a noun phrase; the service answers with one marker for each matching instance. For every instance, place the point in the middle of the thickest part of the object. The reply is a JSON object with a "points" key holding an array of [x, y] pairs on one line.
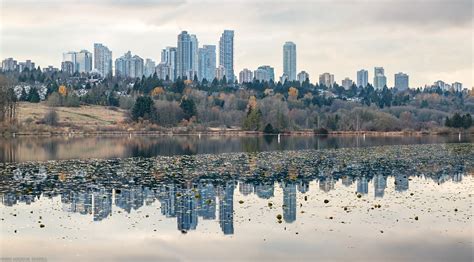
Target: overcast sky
{"points": [[428, 39]]}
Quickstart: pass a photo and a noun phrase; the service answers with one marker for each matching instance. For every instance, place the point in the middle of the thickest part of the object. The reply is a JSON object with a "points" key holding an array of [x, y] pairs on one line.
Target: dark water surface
{"points": [[347, 202], [22, 149]]}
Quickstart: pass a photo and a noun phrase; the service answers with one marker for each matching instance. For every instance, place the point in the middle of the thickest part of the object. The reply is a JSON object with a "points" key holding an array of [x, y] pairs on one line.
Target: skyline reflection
{"points": [[193, 188]]}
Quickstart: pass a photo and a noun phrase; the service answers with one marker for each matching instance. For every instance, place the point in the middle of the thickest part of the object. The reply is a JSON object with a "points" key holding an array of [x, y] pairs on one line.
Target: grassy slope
{"points": [[93, 116]]}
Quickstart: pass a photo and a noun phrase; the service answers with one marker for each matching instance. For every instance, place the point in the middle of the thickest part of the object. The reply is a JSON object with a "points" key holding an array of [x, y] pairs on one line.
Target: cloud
{"points": [[426, 39]]}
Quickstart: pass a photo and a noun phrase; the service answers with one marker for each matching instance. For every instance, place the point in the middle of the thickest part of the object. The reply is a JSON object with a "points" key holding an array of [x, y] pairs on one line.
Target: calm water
{"points": [[53, 148], [348, 200]]}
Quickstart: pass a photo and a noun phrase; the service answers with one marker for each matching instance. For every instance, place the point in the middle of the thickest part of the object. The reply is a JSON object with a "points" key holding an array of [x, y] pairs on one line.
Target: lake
{"points": [[21, 149], [215, 198]]}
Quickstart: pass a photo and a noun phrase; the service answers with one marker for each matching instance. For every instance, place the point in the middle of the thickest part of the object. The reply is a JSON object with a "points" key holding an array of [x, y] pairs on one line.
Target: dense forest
{"points": [[255, 106]]}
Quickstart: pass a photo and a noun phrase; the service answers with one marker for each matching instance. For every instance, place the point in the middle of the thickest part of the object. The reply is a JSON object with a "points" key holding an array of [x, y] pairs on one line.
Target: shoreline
{"points": [[234, 133]]}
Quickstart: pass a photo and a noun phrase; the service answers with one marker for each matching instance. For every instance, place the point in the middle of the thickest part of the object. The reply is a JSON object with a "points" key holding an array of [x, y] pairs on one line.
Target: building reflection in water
{"points": [[94, 190], [201, 199]]}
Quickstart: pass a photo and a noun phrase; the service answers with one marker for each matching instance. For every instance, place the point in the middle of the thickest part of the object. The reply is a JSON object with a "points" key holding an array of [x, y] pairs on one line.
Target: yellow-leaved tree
{"points": [[62, 90]]}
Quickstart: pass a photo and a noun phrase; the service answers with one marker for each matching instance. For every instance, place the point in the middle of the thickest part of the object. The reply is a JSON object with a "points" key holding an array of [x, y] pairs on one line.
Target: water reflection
{"points": [[191, 188], [22, 149]]}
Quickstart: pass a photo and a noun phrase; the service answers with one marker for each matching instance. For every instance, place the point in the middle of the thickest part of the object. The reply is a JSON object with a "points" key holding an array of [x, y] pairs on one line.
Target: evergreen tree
{"points": [[252, 121], [33, 96], [189, 108], [143, 108], [467, 121]]}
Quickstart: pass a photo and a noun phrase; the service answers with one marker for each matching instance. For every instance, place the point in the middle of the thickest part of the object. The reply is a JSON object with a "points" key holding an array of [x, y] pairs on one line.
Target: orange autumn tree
{"points": [[157, 91], [293, 93], [62, 90]]}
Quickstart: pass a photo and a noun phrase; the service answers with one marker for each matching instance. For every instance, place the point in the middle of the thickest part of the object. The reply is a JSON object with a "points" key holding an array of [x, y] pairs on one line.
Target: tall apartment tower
{"points": [[207, 63], [401, 81], [362, 78], [226, 53], [168, 64], [289, 60], [187, 56], [102, 60], [380, 80]]}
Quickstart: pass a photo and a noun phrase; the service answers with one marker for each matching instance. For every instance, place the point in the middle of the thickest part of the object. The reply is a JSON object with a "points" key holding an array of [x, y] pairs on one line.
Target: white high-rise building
{"points": [[289, 60], [186, 56], [24, 65], [264, 73], [9, 64], [457, 86], [362, 78], [129, 66], [102, 60], [207, 63], [401, 81], [168, 58], [347, 83], [82, 61], [220, 73], [226, 53], [149, 67], [195, 57], [302, 76], [380, 80], [326, 79], [245, 76]]}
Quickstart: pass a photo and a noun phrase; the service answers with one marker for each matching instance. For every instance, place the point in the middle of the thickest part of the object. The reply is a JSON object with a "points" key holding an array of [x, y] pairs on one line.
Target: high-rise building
{"points": [[70, 57], [82, 61], [220, 73], [149, 67], [457, 86], [102, 60], [50, 69], [362, 78], [401, 81], [302, 76], [67, 67], [162, 71], [195, 57], [289, 60], [129, 66], [168, 58], [226, 53], [326, 79], [264, 73], [9, 64], [441, 84], [207, 63], [347, 83], [186, 56], [380, 80], [245, 76], [24, 65]]}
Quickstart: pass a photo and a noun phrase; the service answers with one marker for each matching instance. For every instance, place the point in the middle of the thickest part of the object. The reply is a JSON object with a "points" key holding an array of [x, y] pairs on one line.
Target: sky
{"points": [[429, 40]]}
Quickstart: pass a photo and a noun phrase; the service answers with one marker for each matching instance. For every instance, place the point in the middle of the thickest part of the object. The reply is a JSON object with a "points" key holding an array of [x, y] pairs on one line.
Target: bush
{"points": [[72, 100], [321, 131], [54, 99], [126, 102], [51, 118], [269, 129]]}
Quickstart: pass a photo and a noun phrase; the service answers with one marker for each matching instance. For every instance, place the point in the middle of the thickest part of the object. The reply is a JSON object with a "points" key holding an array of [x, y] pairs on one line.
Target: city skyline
{"points": [[257, 42]]}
